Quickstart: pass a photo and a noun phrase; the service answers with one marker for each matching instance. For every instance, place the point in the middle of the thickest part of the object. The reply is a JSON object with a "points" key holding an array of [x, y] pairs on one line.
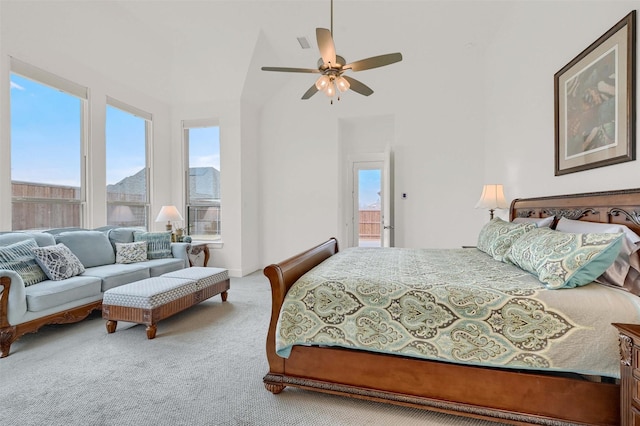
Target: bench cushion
{"points": [[204, 276], [149, 293]]}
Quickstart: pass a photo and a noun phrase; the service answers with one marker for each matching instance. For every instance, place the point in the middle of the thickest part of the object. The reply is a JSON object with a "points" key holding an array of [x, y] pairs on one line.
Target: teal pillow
{"points": [[158, 243], [562, 259], [496, 237], [18, 257]]}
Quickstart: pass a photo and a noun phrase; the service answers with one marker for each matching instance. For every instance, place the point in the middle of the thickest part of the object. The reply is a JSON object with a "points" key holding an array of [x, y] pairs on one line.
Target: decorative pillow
{"points": [[496, 237], [19, 258], [565, 260], [131, 252], [158, 243], [540, 222], [623, 272], [58, 262]]}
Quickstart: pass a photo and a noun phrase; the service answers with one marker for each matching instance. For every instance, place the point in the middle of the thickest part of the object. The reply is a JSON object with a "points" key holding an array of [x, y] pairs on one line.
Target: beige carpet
{"points": [[205, 367]]}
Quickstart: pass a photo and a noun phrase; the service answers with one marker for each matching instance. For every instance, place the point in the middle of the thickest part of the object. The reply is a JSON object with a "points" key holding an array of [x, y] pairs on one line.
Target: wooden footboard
{"points": [[282, 276]]}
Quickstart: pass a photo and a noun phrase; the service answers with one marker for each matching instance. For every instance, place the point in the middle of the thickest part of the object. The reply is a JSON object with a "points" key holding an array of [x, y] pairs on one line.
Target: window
{"points": [[47, 149], [127, 135], [202, 145]]}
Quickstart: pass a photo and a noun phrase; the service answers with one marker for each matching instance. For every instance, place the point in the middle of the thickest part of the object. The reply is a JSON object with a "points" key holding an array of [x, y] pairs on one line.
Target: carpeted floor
{"points": [[205, 367]]}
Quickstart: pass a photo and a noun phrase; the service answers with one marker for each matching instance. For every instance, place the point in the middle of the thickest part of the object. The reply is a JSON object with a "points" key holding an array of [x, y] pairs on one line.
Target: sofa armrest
{"points": [[180, 251], [13, 299]]}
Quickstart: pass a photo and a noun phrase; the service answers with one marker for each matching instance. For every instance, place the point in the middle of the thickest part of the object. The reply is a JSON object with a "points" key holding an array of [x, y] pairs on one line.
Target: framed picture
{"points": [[595, 103]]}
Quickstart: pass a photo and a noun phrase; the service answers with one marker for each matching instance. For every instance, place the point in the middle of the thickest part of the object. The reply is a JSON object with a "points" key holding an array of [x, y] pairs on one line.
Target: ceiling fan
{"points": [[333, 66]]}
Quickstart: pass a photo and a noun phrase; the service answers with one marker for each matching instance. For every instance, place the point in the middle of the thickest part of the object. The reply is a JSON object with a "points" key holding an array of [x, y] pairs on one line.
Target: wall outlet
{"points": [[404, 195]]}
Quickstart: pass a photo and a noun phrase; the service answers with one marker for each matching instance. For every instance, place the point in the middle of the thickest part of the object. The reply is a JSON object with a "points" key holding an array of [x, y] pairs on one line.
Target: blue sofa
{"points": [[26, 308]]}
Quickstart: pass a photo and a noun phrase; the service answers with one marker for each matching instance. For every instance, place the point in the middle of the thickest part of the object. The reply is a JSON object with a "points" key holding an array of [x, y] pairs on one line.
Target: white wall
{"points": [[535, 41]]}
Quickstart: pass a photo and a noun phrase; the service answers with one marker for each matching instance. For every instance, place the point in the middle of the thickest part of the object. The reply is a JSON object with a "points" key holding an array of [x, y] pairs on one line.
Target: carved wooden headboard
{"points": [[620, 206]]}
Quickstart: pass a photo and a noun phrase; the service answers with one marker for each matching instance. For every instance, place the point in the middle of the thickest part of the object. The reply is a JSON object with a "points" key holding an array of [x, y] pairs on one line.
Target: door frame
{"points": [[383, 161]]}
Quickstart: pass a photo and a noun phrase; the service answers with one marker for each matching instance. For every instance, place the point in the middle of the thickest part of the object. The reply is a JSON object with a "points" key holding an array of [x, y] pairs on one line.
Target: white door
{"points": [[372, 218]]}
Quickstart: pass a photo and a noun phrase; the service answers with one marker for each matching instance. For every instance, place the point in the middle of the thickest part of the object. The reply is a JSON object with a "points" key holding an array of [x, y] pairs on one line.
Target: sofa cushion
{"points": [[58, 262], [91, 247], [158, 243], [118, 274], [42, 238], [122, 235], [19, 257], [131, 252], [158, 267], [49, 294]]}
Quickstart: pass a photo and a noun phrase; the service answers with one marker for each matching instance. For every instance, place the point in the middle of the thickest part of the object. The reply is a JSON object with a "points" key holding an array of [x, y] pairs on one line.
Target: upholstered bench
{"points": [[209, 281], [153, 299]]}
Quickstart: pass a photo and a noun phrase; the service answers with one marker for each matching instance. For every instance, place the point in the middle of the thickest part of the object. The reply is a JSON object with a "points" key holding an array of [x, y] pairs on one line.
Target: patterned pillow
{"points": [[496, 237], [562, 259], [58, 262], [158, 243], [19, 258], [131, 252]]}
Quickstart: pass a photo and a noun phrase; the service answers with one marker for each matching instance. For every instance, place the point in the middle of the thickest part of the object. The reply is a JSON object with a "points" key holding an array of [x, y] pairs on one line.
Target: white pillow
{"points": [[624, 270], [540, 222], [581, 227]]}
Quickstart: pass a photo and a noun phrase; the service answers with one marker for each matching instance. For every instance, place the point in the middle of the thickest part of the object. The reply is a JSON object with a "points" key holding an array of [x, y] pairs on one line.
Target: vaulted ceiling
{"points": [[192, 51]]}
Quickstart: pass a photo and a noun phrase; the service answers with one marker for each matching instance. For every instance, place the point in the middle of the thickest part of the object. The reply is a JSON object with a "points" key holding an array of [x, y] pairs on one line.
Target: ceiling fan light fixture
{"points": [[342, 83], [330, 90], [323, 82]]}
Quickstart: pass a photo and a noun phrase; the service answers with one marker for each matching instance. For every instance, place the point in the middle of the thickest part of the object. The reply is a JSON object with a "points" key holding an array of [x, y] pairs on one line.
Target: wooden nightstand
{"points": [[629, 373], [198, 254]]}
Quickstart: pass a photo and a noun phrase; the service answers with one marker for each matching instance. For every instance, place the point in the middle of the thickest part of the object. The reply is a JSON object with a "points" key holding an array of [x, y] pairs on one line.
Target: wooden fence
{"points": [[369, 224]]}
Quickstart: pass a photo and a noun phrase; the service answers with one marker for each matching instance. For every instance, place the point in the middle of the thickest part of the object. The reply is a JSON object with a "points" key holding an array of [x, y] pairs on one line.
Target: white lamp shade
{"points": [[492, 198], [168, 214]]}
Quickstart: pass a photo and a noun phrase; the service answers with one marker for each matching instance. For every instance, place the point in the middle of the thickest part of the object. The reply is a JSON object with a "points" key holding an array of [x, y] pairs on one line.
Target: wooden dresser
{"points": [[629, 373]]}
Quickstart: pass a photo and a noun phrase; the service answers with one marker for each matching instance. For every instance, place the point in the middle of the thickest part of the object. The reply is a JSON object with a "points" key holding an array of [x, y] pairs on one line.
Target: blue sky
{"points": [[369, 186], [45, 138]]}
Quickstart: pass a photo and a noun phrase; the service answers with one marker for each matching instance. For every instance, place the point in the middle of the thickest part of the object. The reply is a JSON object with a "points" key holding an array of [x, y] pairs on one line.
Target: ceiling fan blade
{"points": [[374, 62], [326, 46], [358, 87], [284, 69], [309, 93]]}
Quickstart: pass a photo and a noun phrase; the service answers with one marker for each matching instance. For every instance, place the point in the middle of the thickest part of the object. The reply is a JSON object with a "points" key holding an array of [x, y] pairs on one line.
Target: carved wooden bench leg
{"points": [[151, 331], [111, 326], [224, 296]]}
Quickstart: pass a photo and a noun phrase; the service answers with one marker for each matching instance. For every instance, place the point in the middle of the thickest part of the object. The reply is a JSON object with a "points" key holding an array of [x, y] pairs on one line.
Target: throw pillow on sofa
{"points": [[58, 262], [158, 243], [19, 258], [131, 252]]}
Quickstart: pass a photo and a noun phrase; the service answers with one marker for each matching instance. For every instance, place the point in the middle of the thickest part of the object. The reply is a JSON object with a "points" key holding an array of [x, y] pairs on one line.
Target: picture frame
{"points": [[594, 103]]}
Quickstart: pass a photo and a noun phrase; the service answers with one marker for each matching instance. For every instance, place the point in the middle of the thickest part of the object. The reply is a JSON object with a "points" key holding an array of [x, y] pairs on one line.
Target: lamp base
{"points": [[169, 227]]}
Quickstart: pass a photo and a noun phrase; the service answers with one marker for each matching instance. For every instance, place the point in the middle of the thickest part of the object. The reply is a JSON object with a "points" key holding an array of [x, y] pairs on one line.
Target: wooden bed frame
{"points": [[509, 396]]}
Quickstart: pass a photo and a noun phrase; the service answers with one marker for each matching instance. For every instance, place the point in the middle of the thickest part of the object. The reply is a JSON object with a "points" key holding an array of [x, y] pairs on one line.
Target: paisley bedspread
{"points": [[455, 305]]}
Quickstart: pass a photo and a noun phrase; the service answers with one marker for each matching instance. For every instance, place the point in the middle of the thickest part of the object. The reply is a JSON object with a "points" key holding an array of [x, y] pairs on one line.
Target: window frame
{"points": [[70, 88], [186, 126], [148, 129]]}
